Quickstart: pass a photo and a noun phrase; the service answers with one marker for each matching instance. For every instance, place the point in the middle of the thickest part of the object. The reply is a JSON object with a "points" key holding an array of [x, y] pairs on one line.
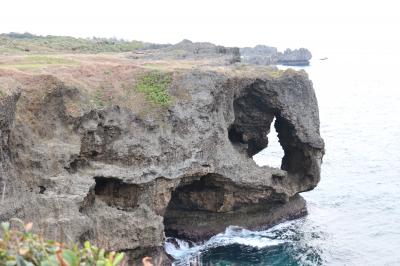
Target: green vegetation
{"points": [[155, 86], [15, 43], [99, 99], [37, 61], [46, 60], [276, 73], [23, 248]]}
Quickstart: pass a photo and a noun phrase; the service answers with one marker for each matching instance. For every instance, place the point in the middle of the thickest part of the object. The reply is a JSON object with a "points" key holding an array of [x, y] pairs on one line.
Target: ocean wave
{"points": [[185, 252]]}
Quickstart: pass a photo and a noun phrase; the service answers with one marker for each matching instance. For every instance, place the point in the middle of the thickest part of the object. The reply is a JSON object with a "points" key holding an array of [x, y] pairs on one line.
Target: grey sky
{"points": [[320, 25]]}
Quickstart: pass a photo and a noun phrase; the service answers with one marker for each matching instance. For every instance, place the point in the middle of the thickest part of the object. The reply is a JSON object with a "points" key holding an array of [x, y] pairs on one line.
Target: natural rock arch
{"points": [[256, 106], [271, 155], [204, 204]]}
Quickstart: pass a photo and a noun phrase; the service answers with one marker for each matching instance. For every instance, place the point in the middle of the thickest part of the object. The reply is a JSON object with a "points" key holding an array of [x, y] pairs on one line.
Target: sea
{"points": [[354, 212]]}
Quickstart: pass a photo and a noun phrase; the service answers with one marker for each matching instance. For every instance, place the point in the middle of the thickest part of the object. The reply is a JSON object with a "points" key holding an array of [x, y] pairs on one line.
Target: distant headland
{"points": [[14, 43]]}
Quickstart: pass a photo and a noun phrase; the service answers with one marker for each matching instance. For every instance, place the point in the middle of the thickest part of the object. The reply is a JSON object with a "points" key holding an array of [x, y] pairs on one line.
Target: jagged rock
{"points": [[187, 49], [259, 55], [122, 175], [265, 55], [298, 57]]}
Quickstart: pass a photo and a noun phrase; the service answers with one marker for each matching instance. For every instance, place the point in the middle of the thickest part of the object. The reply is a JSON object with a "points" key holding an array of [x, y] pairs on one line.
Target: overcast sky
{"points": [[320, 25]]}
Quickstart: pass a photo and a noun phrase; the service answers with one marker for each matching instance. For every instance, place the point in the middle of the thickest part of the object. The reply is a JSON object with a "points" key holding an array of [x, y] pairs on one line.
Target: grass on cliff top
{"points": [[155, 86], [276, 73], [37, 61], [23, 248], [15, 43]]}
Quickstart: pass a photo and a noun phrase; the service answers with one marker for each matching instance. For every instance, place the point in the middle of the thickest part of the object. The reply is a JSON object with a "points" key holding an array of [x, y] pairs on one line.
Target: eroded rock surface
{"points": [[122, 176]]}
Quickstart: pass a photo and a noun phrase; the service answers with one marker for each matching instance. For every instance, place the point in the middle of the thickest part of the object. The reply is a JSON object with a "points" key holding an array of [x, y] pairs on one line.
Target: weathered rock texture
{"points": [[123, 175]]}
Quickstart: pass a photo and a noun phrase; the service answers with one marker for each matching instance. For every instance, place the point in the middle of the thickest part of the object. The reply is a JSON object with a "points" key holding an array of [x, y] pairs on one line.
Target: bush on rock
{"points": [[23, 248]]}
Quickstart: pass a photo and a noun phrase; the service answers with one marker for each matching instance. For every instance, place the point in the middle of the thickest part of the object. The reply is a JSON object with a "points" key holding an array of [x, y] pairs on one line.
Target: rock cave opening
{"points": [[256, 110], [273, 154], [200, 193], [199, 203], [205, 205], [116, 193], [253, 131]]}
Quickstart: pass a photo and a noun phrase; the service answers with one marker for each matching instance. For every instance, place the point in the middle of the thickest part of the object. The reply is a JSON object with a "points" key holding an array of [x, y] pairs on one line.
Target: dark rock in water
{"points": [[122, 175], [265, 55], [300, 57]]}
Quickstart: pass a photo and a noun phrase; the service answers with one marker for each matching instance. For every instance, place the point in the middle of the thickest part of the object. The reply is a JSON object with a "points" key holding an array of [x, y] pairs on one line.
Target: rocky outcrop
{"points": [[187, 49], [300, 57], [258, 55], [124, 178], [265, 55]]}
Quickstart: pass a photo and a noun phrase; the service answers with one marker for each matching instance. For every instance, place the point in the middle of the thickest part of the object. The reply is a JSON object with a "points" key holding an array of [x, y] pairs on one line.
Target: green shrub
{"points": [[26, 42], [155, 86], [23, 248]]}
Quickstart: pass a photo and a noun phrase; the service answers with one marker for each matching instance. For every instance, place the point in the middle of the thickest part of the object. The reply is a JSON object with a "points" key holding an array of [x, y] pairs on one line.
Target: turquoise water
{"points": [[354, 213]]}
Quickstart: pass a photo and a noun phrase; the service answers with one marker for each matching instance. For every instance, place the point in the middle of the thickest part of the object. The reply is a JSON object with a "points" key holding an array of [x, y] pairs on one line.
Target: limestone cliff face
{"points": [[123, 179], [7, 116]]}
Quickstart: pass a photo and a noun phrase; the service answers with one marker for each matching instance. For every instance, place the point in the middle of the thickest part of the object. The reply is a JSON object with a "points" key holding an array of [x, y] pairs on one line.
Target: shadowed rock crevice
{"points": [[300, 160], [252, 123], [113, 203], [204, 205], [253, 119], [213, 193], [95, 143], [117, 194], [124, 196]]}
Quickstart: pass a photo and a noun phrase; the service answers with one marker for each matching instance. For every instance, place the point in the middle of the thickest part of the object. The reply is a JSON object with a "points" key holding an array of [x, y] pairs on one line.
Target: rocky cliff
{"points": [[265, 55], [88, 156]]}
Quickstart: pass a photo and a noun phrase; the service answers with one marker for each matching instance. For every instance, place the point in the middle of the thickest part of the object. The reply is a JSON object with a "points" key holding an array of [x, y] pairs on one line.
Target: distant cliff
{"points": [[26, 43], [265, 55]]}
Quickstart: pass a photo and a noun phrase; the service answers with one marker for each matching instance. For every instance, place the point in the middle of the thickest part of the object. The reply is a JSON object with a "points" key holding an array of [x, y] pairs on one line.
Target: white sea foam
{"points": [[185, 253]]}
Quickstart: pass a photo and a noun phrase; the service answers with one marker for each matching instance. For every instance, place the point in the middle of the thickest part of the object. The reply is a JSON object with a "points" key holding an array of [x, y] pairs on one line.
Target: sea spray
{"points": [[187, 253]]}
